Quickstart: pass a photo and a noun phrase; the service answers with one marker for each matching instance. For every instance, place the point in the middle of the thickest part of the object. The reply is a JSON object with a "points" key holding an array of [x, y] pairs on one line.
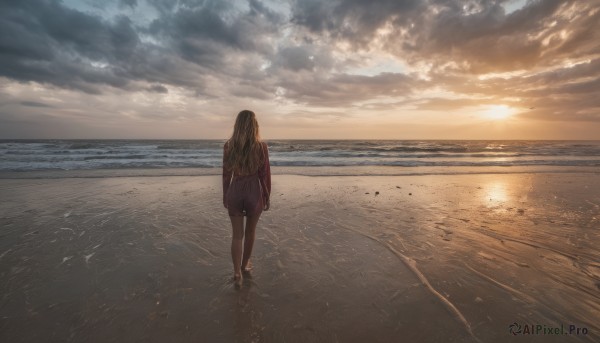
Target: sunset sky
{"points": [[310, 69]]}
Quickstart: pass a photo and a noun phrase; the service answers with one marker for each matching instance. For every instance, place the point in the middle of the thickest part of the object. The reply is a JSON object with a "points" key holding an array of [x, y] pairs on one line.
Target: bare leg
{"points": [[237, 224], [249, 240]]}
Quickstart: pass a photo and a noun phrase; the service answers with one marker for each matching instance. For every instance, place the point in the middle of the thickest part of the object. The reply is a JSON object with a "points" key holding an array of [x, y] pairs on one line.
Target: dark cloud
{"points": [[343, 89], [257, 8], [478, 35], [355, 20], [221, 49], [158, 89], [296, 58], [162, 5], [34, 104], [208, 32], [303, 57], [47, 42], [128, 3], [251, 90], [490, 41]]}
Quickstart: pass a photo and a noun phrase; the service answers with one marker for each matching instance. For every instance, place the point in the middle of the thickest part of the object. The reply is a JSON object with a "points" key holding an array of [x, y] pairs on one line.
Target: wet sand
{"points": [[429, 258]]}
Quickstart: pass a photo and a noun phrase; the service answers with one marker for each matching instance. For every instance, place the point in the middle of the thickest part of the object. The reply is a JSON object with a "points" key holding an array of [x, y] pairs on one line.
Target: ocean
{"points": [[39, 155]]}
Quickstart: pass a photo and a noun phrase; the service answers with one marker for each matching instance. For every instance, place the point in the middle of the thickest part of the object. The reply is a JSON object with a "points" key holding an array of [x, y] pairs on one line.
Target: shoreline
{"points": [[302, 170], [427, 258]]}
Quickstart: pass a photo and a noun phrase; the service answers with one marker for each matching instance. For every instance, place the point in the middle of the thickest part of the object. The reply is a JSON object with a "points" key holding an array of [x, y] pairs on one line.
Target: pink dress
{"points": [[246, 195]]}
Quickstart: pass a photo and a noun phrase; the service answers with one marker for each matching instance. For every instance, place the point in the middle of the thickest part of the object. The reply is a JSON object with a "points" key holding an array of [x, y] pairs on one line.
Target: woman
{"points": [[246, 187]]}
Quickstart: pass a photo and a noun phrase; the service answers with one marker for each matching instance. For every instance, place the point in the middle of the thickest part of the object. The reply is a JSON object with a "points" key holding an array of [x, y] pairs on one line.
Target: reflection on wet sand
{"points": [[431, 258], [495, 194]]}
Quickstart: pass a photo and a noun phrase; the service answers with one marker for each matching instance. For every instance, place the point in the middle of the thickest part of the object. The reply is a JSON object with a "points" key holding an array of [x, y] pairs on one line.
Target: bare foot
{"points": [[248, 268], [237, 280]]}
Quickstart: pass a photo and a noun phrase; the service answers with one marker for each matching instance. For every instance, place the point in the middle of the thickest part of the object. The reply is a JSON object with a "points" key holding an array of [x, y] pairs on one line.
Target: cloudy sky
{"points": [[358, 69]]}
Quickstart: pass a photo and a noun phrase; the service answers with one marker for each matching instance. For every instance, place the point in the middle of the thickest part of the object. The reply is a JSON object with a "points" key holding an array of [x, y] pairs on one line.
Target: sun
{"points": [[497, 112]]}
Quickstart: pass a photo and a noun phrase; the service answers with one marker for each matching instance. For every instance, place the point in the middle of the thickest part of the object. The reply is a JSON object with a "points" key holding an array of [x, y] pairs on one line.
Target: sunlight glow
{"points": [[498, 112]]}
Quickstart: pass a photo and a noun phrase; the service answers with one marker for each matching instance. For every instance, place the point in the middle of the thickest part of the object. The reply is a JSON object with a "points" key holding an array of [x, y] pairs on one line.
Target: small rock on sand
{"points": [[478, 300], [377, 193], [409, 193]]}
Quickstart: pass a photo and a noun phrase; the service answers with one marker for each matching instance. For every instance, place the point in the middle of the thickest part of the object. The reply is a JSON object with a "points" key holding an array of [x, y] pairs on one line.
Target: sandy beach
{"points": [[413, 258]]}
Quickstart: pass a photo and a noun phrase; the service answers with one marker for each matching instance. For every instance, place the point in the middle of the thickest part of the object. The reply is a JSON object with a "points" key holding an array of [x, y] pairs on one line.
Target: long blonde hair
{"points": [[244, 146]]}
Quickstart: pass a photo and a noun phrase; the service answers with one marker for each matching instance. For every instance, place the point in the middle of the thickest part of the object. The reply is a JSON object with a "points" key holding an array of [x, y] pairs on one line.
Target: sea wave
{"points": [[27, 155]]}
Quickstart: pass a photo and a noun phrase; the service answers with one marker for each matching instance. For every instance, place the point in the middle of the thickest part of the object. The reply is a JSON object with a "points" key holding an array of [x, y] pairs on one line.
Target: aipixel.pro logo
{"points": [[516, 329]]}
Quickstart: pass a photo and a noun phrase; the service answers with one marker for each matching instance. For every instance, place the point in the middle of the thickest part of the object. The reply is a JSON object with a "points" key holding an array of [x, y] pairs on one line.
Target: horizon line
{"points": [[297, 139]]}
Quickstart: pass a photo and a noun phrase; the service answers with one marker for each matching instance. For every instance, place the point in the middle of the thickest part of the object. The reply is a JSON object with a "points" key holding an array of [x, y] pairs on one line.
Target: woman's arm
{"points": [[226, 173], [264, 173]]}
